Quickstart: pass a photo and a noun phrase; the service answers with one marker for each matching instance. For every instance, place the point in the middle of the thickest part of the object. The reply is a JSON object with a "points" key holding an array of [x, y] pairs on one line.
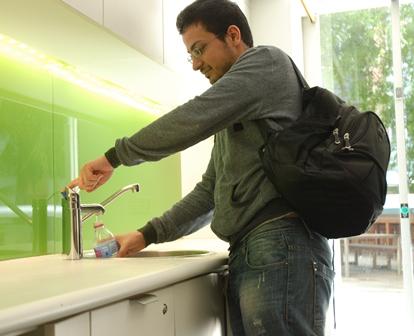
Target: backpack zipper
{"points": [[335, 133], [347, 136], [347, 143]]}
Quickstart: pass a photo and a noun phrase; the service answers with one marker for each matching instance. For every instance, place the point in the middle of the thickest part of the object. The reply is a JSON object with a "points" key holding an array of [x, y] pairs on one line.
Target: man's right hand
{"points": [[93, 174], [130, 243]]}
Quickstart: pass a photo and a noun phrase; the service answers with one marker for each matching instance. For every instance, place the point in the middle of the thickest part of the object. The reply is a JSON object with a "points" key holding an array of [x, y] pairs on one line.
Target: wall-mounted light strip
{"points": [[24, 53]]}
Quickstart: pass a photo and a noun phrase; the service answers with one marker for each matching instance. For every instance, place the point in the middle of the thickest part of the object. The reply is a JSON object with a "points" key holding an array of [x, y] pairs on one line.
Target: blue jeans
{"points": [[280, 278]]}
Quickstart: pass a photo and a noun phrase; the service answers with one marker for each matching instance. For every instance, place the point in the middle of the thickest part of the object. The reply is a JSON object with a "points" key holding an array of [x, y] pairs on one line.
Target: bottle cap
{"points": [[98, 225]]}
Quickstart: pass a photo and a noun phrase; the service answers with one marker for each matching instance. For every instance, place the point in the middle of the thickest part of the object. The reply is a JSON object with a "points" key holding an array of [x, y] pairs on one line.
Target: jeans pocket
{"points": [[323, 278], [266, 249]]}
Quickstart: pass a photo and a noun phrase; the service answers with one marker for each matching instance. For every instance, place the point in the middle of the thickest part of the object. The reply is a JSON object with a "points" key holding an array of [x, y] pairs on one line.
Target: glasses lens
{"points": [[195, 54]]}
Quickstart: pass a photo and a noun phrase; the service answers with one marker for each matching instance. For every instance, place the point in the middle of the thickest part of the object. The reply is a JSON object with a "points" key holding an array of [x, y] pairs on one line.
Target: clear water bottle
{"points": [[105, 243]]}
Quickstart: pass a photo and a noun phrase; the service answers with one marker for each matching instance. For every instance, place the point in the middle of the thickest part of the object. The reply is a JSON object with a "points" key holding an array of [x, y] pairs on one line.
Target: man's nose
{"points": [[197, 64]]}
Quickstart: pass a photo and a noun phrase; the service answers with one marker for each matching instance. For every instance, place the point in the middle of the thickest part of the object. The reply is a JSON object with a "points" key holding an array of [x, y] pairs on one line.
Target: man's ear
{"points": [[234, 33]]}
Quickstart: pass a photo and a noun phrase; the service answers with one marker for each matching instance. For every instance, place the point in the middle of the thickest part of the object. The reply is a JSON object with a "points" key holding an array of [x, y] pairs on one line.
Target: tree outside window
{"points": [[357, 65]]}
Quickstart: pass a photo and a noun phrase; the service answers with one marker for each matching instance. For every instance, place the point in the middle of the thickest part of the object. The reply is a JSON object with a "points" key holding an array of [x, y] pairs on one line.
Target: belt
{"points": [[276, 208]]}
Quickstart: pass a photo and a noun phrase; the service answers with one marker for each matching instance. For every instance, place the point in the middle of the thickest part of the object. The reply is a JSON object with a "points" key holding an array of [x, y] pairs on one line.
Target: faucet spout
{"points": [[131, 187], [110, 199], [92, 209]]}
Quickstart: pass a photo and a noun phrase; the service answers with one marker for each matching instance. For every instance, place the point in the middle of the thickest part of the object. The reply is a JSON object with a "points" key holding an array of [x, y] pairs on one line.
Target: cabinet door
{"points": [[139, 22], [90, 8], [77, 325], [199, 306], [148, 314]]}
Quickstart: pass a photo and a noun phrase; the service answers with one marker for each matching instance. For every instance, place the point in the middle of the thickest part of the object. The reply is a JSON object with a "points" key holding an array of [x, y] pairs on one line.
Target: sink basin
{"points": [[90, 254], [173, 253]]}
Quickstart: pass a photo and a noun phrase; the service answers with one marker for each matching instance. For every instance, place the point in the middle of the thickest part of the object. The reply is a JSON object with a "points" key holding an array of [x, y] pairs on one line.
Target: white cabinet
{"points": [[199, 306], [90, 8], [76, 325], [148, 314], [192, 307], [139, 22]]}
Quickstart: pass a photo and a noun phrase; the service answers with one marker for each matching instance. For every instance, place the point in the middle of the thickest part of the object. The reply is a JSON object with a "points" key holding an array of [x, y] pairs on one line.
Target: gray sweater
{"points": [[260, 84]]}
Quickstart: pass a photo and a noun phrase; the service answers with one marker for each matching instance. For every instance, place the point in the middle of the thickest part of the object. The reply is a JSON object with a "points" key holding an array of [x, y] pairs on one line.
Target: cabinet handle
{"points": [[144, 299]]}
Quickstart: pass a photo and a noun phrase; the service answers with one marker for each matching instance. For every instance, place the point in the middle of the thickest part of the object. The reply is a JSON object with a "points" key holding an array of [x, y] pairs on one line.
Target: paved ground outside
{"points": [[371, 302]]}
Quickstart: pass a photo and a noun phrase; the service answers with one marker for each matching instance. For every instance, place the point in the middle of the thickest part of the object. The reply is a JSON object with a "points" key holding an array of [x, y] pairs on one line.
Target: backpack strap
{"points": [[264, 126], [299, 75]]}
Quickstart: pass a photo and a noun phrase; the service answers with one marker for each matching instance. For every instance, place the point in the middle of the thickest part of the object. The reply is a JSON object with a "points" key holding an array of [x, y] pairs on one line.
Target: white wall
{"points": [[278, 23], [194, 160], [312, 52]]}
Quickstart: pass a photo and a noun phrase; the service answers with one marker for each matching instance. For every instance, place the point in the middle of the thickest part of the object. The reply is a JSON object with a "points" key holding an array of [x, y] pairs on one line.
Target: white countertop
{"points": [[37, 290]]}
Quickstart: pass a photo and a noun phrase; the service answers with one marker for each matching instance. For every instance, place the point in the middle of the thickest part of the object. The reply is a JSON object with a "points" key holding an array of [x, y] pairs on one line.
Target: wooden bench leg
{"points": [[389, 257], [346, 256]]}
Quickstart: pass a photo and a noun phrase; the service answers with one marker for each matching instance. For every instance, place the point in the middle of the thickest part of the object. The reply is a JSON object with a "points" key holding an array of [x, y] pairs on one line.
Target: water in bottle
{"points": [[105, 243]]}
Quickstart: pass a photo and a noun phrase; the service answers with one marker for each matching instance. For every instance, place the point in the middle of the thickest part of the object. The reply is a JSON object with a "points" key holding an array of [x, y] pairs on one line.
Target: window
{"points": [[357, 64]]}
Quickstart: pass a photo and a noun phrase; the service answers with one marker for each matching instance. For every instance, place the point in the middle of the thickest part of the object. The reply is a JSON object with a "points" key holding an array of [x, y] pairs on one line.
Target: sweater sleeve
{"points": [[190, 214], [247, 91]]}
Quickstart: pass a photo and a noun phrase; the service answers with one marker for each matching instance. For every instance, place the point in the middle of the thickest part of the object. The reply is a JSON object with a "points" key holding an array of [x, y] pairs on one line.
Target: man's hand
{"points": [[93, 174], [130, 243]]}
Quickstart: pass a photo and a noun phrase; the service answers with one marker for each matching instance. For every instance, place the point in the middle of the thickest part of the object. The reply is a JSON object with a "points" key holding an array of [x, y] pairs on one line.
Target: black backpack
{"points": [[330, 165]]}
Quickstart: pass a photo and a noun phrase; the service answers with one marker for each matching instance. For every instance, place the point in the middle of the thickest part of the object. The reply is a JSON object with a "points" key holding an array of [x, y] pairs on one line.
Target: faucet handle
{"points": [[67, 192]]}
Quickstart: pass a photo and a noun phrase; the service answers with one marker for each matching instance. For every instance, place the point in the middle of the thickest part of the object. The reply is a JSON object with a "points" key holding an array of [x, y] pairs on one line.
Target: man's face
{"points": [[213, 57]]}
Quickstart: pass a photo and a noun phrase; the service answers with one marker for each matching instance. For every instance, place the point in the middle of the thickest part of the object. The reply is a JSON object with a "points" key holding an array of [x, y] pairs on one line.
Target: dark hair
{"points": [[216, 16]]}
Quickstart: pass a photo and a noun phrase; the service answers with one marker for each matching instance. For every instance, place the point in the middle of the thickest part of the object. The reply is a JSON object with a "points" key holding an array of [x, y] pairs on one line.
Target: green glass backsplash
{"points": [[49, 127]]}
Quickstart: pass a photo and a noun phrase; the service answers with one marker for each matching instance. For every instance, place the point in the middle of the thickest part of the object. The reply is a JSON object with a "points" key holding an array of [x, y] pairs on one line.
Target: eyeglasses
{"points": [[198, 51]]}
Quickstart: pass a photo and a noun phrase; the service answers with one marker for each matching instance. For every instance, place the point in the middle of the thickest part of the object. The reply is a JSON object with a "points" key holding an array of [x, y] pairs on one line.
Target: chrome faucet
{"points": [[76, 219]]}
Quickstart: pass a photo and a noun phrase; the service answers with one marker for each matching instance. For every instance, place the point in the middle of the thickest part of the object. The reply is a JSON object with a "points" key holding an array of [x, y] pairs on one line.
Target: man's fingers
{"points": [[90, 179], [95, 183], [92, 175], [123, 252], [85, 184], [74, 183]]}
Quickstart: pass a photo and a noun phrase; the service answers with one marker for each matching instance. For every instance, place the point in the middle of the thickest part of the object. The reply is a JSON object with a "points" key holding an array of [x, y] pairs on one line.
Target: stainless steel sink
{"points": [[173, 253], [90, 254]]}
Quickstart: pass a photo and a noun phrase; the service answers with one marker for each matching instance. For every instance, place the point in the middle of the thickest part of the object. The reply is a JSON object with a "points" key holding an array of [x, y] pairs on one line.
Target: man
{"points": [[279, 272]]}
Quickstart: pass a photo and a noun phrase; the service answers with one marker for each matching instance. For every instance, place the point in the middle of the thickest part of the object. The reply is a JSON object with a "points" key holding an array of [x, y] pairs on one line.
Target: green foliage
{"points": [[407, 45], [357, 65]]}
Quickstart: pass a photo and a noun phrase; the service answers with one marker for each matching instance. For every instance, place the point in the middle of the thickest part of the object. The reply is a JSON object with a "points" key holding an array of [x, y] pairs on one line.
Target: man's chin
{"points": [[212, 80], [213, 77]]}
